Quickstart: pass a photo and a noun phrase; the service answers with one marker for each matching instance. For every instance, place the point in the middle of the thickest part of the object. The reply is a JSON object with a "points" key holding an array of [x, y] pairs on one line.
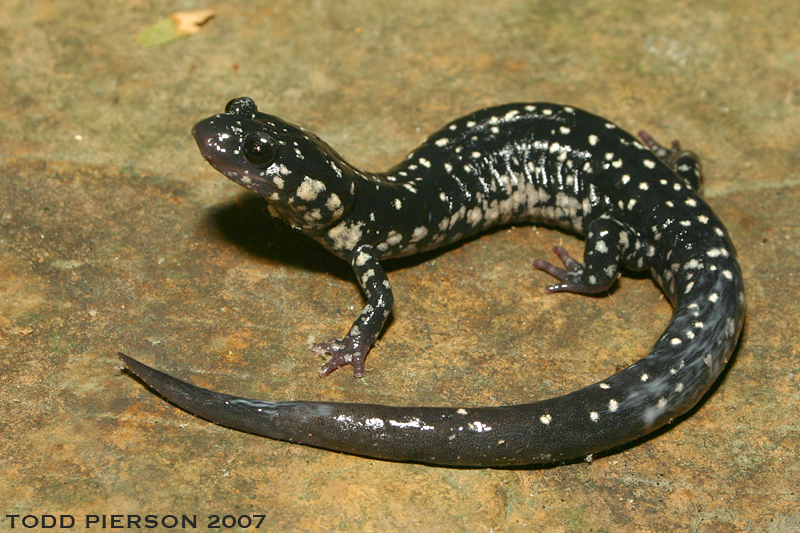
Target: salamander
{"points": [[636, 202]]}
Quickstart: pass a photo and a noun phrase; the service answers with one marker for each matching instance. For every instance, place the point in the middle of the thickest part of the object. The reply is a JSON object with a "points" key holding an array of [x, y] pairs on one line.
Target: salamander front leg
{"points": [[353, 348]]}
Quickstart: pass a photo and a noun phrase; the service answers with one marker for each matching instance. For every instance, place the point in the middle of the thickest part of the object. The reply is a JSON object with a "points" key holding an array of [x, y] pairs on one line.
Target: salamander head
{"points": [[305, 181]]}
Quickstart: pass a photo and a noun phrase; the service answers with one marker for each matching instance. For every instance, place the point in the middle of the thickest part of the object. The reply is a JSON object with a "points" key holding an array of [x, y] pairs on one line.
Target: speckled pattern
{"points": [[636, 202]]}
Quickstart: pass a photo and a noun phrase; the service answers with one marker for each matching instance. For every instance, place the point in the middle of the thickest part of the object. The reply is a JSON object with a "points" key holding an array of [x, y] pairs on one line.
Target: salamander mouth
{"points": [[228, 170], [254, 182]]}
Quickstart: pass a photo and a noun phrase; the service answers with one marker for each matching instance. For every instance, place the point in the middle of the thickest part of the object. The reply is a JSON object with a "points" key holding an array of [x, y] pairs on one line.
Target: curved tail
{"points": [[622, 408]]}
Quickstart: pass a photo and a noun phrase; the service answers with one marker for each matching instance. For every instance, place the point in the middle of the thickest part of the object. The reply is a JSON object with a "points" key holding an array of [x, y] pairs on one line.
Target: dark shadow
{"points": [[246, 223]]}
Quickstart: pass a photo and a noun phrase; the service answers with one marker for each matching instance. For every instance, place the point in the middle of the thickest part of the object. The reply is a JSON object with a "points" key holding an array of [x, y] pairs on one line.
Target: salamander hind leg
{"points": [[684, 163], [609, 243]]}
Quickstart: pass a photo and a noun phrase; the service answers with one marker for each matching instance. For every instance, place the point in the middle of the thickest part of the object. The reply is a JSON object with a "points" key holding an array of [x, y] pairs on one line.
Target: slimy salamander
{"points": [[636, 202]]}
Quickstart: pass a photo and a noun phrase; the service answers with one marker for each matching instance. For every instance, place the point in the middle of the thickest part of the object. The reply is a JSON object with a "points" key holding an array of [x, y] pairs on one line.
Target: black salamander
{"points": [[637, 204]]}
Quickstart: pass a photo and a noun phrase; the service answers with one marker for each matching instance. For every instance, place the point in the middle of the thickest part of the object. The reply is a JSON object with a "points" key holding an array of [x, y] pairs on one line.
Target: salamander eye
{"points": [[241, 106], [260, 149]]}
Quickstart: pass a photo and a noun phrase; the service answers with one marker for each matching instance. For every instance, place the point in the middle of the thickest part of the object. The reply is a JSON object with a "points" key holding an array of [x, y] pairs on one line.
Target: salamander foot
{"points": [[346, 351]]}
